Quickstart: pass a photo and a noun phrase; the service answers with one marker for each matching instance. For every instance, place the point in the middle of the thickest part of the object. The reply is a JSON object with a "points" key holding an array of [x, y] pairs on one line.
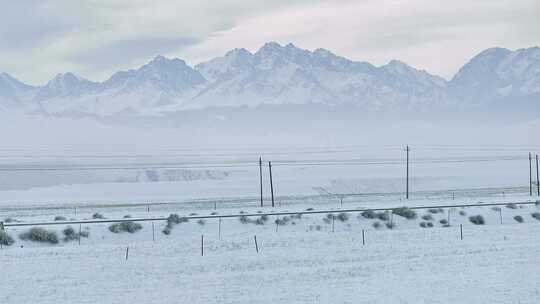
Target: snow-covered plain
{"points": [[296, 264]]}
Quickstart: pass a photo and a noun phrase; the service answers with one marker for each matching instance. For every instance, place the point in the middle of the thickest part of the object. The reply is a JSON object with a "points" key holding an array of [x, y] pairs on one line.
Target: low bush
{"points": [[130, 227], [383, 216], [201, 222], [214, 213], [496, 209], [71, 235], [405, 212], [390, 225], [173, 220], [342, 217], [369, 214], [477, 220], [60, 218], [98, 216], [462, 213], [426, 224], [9, 220], [310, 209], [377, 225], [435, 211], [511, 206], [281, 221], [127, 216], [518, 218], [443, 222], [37, 234], [6, 239], [536, 215], [427, 217], [244, 219]]}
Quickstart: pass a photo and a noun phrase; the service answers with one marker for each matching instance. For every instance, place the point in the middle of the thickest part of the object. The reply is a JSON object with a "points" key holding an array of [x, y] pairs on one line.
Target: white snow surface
{"points": [[296, 264]]}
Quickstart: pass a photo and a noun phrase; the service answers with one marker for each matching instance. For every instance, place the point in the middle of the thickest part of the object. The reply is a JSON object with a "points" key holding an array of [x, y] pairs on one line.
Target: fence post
{"points": [[127, 253], [461, 231], [80, 234], [153, 233], [363, 238], [500, 214], [333, 220], [256, 245], [219, 229], [202, 244]]}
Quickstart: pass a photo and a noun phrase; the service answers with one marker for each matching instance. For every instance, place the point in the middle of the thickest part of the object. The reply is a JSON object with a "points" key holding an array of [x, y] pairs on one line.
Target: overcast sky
{"points": [[95, 38]]}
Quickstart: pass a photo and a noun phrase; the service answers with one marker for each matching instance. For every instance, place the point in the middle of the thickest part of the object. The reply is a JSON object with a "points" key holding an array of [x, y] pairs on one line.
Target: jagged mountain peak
{"points": [[284, 74]]}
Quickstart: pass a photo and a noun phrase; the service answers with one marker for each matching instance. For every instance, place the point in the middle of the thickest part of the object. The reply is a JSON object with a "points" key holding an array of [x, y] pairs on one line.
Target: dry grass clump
{"points": [[477, 220], [37, 234]]}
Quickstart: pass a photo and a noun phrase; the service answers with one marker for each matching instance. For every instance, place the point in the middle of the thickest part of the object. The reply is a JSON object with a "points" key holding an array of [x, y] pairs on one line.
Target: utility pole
{"points": [[530, 174], [407, 182], [271, 183], [537, 180], [260, 179]]}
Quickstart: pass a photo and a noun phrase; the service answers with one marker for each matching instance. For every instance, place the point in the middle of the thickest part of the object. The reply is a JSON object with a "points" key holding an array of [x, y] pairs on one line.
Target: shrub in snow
{"points": [[37, 234], [427, 217], [60, 218], [369, 214], [130, 227], [434, 211], [443, 222], [477, 220], [201, 222], [405, 212], [383, 216], [98, 216], [310, 209], [127, 216], [426, 224], [214, 213], [518, 218], [496, 209], [6, 239], [71, 235], [173, 220], [281, 221], [462, 213], [376, 225], [536, 215], [193, 213], [511, 206], [243, 219], [9, 220], [318, 227], [297, 216], [343, 217], [390, 225]]}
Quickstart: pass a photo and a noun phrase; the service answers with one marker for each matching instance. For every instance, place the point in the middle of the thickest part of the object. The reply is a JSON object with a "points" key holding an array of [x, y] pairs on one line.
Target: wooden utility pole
{"points": [[260, 179], [530, 174], [537, 180], [407, 182], [271, 183]]}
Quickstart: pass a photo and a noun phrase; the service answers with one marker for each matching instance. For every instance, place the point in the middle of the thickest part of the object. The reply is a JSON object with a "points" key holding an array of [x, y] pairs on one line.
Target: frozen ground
{"points": [[492, 264], [304, 262]]}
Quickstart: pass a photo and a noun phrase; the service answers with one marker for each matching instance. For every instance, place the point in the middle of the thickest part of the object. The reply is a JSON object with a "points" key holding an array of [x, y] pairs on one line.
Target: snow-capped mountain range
{"points": [[276, 75]]}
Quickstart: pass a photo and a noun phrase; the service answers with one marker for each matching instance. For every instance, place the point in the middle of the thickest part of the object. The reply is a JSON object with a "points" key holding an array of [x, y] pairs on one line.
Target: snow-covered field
{"points": [[306, 260]]}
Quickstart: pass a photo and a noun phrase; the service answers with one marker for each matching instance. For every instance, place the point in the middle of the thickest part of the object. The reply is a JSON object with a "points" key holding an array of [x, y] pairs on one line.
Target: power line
{"points": [[358, 162]]}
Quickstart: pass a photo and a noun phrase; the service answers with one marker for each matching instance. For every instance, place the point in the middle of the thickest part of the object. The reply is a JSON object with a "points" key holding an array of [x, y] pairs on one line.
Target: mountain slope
{"points": [[496, 78], [498, 73]]}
